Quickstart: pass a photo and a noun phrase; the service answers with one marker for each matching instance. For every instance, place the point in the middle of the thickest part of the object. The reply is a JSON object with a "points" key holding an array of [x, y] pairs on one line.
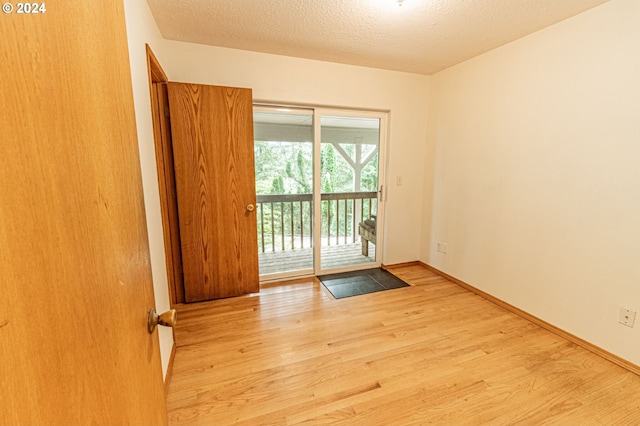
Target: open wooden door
{"points": [[212, 134], [75, 268]]}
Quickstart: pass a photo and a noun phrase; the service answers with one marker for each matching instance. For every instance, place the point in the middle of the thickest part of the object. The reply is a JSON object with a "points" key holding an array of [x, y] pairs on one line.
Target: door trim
{"points": [[166, 178], [318, 111]]}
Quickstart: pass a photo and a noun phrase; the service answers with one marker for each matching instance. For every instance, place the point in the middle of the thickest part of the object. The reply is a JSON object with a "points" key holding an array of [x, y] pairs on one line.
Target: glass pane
{"points": [[284, 185], [349, 185]]}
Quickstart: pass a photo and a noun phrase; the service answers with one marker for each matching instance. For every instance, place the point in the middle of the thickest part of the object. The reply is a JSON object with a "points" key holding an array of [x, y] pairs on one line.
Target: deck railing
{"points": [[285, 221]]}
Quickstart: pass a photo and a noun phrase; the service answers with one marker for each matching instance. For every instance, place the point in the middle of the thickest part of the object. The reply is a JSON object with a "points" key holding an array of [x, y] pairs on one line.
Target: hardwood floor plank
{"points": [[430, 353]]}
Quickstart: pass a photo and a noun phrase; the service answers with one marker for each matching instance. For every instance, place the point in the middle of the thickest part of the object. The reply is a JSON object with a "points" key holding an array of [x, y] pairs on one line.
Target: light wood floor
{"points": [[432, 353]]}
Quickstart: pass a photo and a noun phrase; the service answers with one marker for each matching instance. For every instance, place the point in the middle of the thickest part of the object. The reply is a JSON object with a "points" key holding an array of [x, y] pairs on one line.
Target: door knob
{"points": [[250, 207], [168, 319]]}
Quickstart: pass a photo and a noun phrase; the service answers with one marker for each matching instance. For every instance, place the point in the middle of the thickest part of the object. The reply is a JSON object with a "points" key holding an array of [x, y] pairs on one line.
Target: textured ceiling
{"points": [[421, 36]]}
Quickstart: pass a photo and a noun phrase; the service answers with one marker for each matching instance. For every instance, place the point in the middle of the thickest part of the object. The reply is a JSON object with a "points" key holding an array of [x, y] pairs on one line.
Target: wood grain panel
{"points": [[432, 353], [212, 131], [75, 268]]}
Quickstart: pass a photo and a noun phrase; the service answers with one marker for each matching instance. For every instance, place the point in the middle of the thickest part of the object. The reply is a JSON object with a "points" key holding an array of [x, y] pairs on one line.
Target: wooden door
{"points": [[75, 271], [212, 132]]}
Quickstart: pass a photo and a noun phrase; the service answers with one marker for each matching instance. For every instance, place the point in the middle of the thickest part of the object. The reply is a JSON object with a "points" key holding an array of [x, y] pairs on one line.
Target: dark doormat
{"points": [[348, 284]]}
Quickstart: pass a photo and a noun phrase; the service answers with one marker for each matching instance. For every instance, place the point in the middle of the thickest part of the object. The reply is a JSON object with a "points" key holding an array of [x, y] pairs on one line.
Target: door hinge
{"points": [[166, 111]]}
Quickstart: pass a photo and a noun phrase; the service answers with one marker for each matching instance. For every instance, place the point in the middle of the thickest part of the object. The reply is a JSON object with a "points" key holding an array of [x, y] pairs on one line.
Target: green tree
{"points": [[277, 185], [327, 167], [369, 176], [301, 174]]}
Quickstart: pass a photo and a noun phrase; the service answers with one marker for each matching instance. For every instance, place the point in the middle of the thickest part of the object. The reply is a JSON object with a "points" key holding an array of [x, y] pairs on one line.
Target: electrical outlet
{"points": [[627, 316], [443, 247]]}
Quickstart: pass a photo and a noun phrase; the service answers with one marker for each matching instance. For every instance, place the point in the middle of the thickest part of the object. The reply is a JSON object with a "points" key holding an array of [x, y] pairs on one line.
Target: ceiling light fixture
{"points": [[400, 2]]}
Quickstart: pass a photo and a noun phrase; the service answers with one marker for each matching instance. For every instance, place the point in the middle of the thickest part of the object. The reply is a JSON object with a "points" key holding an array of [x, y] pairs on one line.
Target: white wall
{"points": [[141, 29], [537, 174], [302, 81]]}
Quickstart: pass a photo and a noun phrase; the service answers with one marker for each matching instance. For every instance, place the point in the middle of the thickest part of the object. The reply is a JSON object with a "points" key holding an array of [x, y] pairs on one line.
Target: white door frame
{"points": [[318, 112]]}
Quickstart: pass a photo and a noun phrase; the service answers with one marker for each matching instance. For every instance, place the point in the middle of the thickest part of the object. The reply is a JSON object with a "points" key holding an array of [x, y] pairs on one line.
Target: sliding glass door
{"points": [[283, 153], [349, 183], [318, 181]]}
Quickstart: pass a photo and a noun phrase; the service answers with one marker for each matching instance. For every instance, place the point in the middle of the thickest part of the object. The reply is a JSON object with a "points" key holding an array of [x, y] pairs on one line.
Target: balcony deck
{"points": [[284, 223], [331, 257]]}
